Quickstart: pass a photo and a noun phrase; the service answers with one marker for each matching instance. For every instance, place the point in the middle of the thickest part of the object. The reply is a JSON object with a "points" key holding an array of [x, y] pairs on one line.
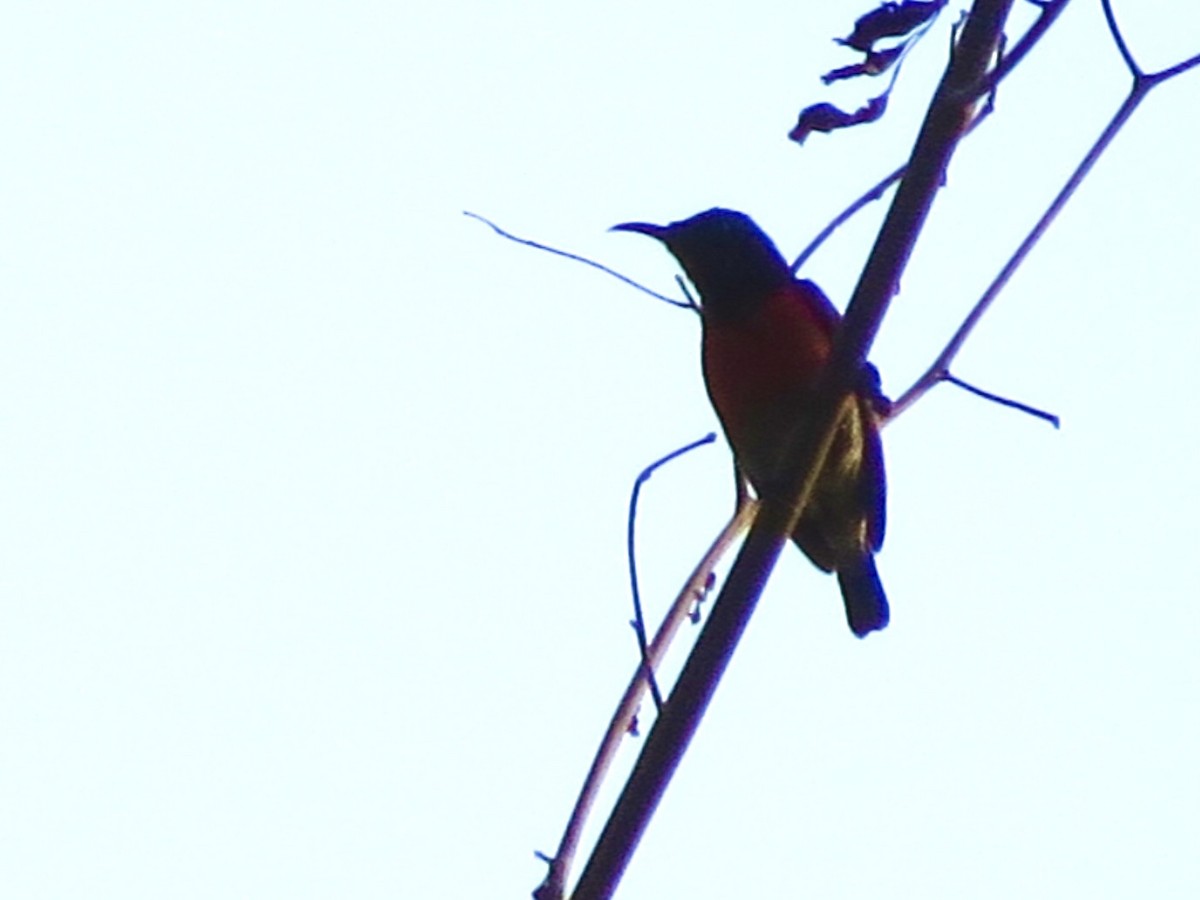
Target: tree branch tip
{"points": [[1003, 401], [1119, 39], [577, 258]]}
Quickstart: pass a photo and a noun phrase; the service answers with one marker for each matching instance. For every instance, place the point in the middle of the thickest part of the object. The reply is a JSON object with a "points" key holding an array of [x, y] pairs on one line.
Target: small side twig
{"points": [[1143, 83], [1003, 401], [1119, 39], [639, 621], [577, 258], [869, 196]]}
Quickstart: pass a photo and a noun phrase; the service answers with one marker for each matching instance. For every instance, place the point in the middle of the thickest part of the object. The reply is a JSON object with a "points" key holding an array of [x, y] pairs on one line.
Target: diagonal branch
{"points": [[1049, 13], [949, 113], [555, 884], [1143, 83]]}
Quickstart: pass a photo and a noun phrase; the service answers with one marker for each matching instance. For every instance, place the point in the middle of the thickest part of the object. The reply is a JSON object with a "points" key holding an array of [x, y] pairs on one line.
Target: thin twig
{"points": [[1012, 58], [869, 196], [639, 621], [1119, 40], [1152, 78], [1142, 85], [1172, 71], [1003, 401], [583, 259]]}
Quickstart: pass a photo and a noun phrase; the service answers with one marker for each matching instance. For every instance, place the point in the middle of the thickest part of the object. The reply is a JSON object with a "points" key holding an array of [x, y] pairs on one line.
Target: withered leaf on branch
{"points": [[890, 20], [877, 61], [826, 117]]}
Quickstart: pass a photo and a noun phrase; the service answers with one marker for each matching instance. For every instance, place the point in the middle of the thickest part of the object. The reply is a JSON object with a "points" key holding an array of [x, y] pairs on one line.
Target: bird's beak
{"points": [[658, 232]]}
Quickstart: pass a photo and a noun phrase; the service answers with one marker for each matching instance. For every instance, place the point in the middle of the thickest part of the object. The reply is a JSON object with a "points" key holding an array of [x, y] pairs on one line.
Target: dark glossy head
{"points": [[729, 259]]}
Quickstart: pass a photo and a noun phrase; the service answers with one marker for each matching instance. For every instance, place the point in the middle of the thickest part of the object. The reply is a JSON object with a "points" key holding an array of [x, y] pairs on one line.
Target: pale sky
{"points": [[314, 490]]}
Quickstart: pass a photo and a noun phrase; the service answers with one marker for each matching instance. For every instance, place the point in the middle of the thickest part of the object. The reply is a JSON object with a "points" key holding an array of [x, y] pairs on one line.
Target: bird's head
{"points": [[729, 259]]}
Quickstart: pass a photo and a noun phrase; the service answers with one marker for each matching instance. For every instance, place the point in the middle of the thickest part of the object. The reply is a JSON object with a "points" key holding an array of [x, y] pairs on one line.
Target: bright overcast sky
{"points": [[314, 490]]}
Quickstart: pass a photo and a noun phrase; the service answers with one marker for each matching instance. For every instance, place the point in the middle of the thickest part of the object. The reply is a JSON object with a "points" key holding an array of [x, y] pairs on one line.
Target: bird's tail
{"points": [[866, 603]]}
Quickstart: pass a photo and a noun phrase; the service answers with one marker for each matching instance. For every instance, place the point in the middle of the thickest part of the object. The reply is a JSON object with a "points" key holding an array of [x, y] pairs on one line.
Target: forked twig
{"points": [[1143, 83], [639, 621]]}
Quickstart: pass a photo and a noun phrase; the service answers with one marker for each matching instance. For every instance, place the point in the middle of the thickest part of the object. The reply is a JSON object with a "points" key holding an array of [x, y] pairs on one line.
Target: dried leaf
{"points": [[877, 61], [890, 20], [826, 117]]}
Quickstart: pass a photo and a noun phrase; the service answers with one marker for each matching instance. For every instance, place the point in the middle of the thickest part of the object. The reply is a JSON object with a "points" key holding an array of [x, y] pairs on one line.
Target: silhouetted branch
{"points": [[554, 887], [949, 114], [1050, 12], [1003, 401], [1142, 85], [639, 621]]}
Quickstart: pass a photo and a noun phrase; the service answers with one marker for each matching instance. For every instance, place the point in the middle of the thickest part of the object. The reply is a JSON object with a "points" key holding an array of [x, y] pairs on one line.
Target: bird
{"points": [[767, 337]]}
